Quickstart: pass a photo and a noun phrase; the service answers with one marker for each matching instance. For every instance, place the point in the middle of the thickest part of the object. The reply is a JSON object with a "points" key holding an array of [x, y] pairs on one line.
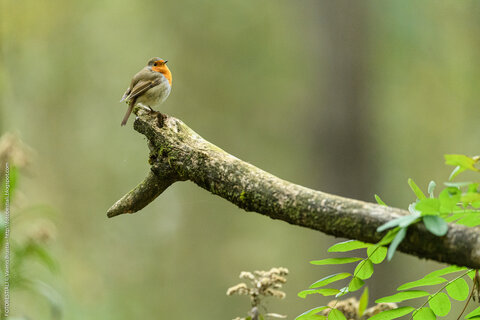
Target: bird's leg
{"points": [[148, 108]]}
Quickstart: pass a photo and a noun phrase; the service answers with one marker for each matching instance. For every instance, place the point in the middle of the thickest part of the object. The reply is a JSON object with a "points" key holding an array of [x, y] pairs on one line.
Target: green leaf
{"points": [[430, 206], [377, 254], [402, 296], [469, 198], [324, 292], [424, 314], [329, 279], [335, 314], [380, 201], [363, 303], [343, 291], [312, 314], [464, 162], [471, 274], [364, 269], [348, 245], [392, 314], [418, 192], [431, 188], [440, 304], [455, 172], [396, 242], [470, 220], [454, 217], [312, 317], [355, 284], [334, 261], [398, 222], [426, 281], [458, 289], [449, 198], [474, 313], [412, 210], [436, 225], [388, 237], [457, 184], [473, 188], [444, 271]]}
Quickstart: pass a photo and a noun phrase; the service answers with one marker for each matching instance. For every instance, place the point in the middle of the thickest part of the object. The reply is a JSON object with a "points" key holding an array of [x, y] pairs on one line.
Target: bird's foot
{"points": [[148, 108]]}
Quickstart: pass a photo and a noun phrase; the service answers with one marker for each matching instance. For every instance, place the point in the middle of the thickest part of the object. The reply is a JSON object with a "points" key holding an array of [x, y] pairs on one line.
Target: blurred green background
{"points": [[347, 97]]}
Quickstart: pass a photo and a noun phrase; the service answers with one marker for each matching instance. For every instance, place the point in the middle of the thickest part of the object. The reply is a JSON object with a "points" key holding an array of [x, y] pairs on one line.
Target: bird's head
{"points": [[160, 65]]}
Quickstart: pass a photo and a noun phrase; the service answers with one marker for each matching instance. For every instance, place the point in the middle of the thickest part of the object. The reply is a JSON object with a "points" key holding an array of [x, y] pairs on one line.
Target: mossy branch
{"points": [[177, 153]]}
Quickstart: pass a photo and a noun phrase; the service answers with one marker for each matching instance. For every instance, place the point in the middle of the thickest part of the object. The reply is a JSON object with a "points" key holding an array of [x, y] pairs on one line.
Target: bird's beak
{"points": [[165, 61]]}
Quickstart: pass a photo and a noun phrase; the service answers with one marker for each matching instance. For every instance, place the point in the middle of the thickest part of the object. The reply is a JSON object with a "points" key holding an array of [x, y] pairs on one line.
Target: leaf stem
{"points": [[469, 296], [440, 290]]}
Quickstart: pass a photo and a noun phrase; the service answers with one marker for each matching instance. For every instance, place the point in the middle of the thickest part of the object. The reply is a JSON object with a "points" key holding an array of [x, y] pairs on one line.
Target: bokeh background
{"points": [[347, 97]]}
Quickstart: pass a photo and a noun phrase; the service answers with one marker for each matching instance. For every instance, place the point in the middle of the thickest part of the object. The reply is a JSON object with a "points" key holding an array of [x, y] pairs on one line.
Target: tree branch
{"points": [[177, 153]]}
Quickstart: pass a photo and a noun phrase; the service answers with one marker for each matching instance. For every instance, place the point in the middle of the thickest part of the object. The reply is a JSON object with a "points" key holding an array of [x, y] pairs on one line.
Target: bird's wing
{"points": [[125, 95], [139, 88]]}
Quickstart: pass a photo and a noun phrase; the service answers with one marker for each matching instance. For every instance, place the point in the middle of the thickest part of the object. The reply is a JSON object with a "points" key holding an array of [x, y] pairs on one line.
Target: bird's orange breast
{"points": [[165, 71]]}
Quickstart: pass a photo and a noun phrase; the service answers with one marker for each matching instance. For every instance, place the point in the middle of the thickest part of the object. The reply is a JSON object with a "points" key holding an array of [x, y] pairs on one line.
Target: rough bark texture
{"points": [[177, 153]]}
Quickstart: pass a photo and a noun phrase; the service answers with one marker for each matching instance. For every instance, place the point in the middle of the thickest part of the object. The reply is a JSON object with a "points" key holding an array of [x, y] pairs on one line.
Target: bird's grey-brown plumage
{"points": [[140, 85]]}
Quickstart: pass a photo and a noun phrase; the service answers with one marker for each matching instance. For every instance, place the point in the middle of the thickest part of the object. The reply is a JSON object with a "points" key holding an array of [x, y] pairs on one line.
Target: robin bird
{"points": [[149, 87]]}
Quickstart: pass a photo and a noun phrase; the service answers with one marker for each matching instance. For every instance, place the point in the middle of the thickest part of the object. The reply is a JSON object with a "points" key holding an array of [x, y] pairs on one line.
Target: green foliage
{"points": [[324, 292], [392, 314], [424, 314], [440, 304], [348, 246], [461, 162], [426, 281], [402, 296], [380, 201], [458, 289], [33, 248], [364, 269], [418, 192], [335, 314], [329, 279], [396, 242], [436, 225], [355, 284], [438, 301], [475, 313], [458, 202], [363, 303], [334, 261], [377, 254], [312, 314]]}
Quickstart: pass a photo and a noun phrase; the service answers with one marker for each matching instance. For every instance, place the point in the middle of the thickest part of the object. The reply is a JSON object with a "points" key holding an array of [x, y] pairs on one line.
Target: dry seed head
{"points": [[246, 275], [240, 289]]}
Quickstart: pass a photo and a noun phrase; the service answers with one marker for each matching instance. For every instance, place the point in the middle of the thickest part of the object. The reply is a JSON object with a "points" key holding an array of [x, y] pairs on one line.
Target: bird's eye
{"points": [[155, 64]]}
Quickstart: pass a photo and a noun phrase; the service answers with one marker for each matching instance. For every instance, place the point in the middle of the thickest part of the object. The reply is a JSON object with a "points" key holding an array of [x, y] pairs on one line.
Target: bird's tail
{"points": [[129, 111]]}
